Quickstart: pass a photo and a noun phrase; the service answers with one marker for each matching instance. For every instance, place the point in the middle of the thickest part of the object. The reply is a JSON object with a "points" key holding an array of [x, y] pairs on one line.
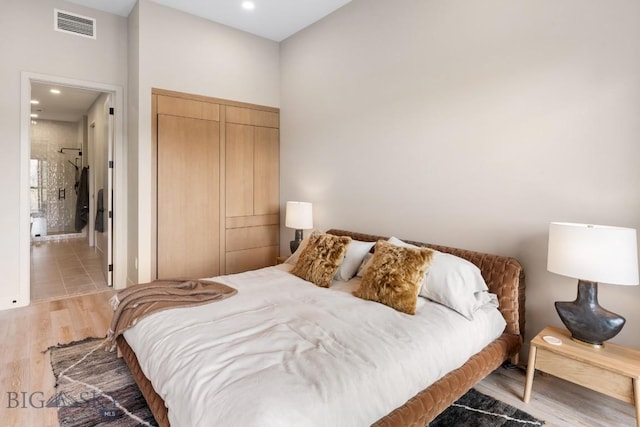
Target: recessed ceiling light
{"points": [[56, 91], [35, 102], [34, 115], [248, 5]]}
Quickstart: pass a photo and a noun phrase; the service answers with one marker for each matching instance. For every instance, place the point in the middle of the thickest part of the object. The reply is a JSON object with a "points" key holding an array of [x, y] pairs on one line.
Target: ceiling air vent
{"points": [[71, 23]]}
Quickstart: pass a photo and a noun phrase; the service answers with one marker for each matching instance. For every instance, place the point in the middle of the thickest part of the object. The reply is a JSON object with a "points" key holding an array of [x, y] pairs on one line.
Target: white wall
{"points": [[29, 43], [181, 52], [470, 124]]}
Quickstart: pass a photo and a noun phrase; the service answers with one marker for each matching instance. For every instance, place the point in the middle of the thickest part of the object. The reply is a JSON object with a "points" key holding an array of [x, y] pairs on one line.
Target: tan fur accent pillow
{"points": [[321, 258], [395, 276]]}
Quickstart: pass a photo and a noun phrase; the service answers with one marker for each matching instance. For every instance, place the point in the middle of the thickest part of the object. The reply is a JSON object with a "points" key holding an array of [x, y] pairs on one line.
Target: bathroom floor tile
{"points": [[47, 282], [65, 267], [97, 276], [72, 271], [75, 281]]}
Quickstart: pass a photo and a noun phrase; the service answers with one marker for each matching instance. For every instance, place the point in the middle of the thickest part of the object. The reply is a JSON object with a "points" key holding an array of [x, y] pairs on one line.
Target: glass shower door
{"points": [[54, 175], [38, 188], [62, 176]]}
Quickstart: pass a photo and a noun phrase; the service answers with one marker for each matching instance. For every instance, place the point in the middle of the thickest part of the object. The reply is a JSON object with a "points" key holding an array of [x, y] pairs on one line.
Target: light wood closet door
{"points": [[240, 159], [252, 188], [253, 172], [188, 197], [266, 196]]}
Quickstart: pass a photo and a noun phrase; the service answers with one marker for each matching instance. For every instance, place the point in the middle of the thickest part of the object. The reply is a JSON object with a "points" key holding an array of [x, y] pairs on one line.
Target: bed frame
{"points": [[504, 277]]}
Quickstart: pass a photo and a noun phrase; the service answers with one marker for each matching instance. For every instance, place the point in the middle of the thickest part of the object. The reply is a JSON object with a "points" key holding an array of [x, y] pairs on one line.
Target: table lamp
{"points": [[592, 254], [299, 215]]}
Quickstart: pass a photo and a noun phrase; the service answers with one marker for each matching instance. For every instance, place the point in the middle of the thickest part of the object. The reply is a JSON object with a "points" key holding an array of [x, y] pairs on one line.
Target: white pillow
{"points": [[366, 262], [453, 282], [401, 243], [356, 251]]}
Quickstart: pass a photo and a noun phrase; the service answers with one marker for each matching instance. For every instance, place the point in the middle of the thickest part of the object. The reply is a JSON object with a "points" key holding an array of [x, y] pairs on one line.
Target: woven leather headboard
{"points": [[504, 277]]}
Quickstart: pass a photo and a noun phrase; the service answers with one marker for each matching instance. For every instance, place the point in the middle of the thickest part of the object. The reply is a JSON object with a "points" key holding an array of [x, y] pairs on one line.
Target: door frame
{"points": [[108, 206], [119, 176]]}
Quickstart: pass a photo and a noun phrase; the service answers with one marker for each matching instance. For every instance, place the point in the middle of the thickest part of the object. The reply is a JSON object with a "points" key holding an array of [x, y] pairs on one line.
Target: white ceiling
{"points": [[67, 106], [272, 19]]}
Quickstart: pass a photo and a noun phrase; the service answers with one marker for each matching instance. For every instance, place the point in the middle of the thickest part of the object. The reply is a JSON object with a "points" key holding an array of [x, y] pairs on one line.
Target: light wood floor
{"points": [[558, 402], [25, 334]]}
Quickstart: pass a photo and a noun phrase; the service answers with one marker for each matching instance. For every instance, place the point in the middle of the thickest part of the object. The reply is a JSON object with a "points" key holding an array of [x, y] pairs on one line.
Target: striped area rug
{"points": [[476, 409], [95, 388]]}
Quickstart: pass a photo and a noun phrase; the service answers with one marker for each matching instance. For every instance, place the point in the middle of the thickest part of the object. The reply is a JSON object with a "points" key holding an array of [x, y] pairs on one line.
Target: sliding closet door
{"points": [[188, 153]]}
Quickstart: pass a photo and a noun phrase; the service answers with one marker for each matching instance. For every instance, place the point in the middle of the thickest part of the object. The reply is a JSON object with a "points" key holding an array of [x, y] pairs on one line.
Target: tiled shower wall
{"points": [[57, 201]]}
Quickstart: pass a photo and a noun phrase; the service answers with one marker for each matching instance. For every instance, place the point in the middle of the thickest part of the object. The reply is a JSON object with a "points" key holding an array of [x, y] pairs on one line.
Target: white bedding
{"points": [[283, 352]]}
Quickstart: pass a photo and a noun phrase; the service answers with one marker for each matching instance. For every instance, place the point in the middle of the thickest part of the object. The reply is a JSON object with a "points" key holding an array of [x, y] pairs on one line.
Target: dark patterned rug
{"points": [[475, 409], [95, 388]]}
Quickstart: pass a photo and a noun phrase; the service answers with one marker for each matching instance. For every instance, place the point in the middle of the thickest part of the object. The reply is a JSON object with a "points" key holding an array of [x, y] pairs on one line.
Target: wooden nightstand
{"points": [[281, 259], [613, 369]]}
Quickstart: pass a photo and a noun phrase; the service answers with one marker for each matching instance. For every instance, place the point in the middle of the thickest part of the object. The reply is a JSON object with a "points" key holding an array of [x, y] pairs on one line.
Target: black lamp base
{"points": [[586, 320], [293, 245]]}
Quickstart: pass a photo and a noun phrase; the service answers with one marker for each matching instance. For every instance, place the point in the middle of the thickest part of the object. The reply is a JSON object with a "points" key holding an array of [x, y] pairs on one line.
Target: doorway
{"points": [[69, 147]]}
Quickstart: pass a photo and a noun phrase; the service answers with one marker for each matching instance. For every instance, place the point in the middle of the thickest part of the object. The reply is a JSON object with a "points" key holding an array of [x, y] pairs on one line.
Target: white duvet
{"points": [[283, 352]]}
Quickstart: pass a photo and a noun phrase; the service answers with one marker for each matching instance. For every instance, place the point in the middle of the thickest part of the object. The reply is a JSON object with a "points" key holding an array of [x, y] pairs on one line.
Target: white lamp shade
{"points": [[299, 215], [594, 253]]}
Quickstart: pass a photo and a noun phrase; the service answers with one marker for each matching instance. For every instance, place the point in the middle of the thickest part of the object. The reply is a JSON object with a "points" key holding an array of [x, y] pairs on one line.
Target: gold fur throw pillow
{"points": [[395, 276], [321, 258]]}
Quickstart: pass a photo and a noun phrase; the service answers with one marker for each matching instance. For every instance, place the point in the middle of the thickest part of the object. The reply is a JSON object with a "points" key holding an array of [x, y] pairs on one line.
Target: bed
{"points": [[504, 277]]}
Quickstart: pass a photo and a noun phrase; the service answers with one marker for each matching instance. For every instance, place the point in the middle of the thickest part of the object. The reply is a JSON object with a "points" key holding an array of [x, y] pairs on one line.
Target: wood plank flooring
{"points": [[558, 402], [25, 333], [25, 367]]}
